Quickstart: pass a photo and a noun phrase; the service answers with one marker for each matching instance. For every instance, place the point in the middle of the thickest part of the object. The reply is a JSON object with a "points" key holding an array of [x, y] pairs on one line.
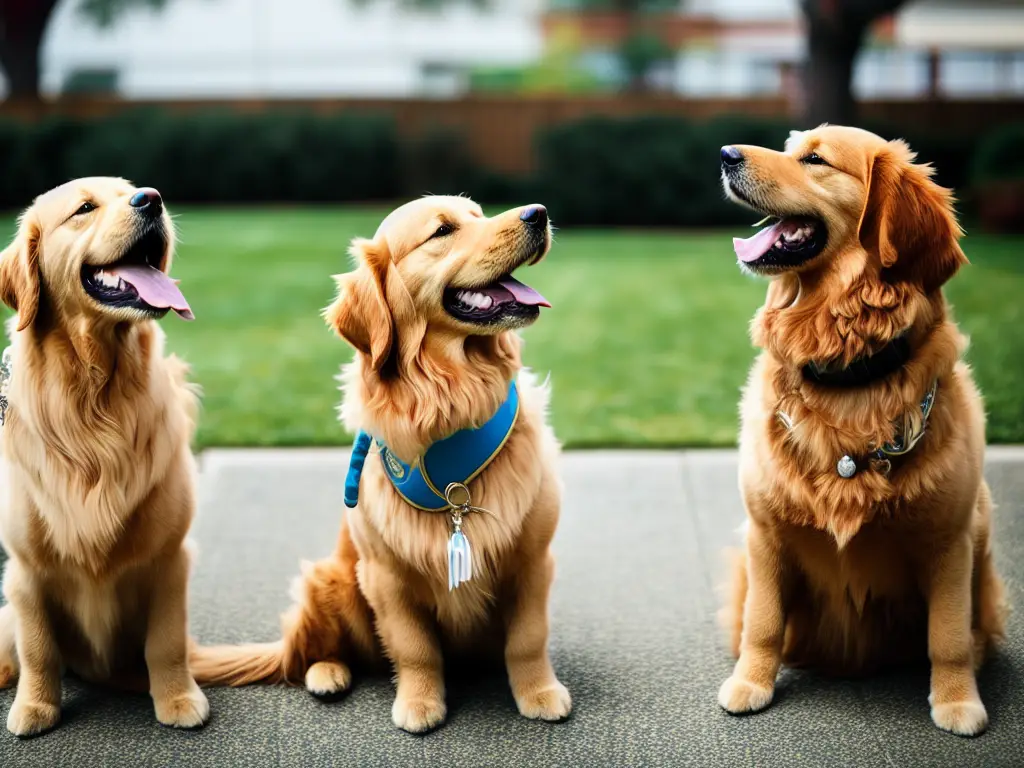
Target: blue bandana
{"points": [[458, 458]]}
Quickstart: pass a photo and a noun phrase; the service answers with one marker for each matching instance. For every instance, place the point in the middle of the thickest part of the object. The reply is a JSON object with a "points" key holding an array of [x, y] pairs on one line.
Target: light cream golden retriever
{"points": [[431, 310], [863, 433], [97, 488]]}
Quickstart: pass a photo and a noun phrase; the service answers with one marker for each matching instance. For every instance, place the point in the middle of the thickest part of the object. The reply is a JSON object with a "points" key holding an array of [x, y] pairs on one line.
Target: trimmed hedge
{"points": [[660, 171], [999, 156], [997, 179], [647, 171], [214, 156], [644, 171]]}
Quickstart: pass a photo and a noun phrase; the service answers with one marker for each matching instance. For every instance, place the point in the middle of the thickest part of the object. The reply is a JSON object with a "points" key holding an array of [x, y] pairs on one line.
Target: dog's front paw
{"points": [[738, 696], [26, 719], [328, 678], [418, 715], [964, 718], [552, 703], [187, 710]]}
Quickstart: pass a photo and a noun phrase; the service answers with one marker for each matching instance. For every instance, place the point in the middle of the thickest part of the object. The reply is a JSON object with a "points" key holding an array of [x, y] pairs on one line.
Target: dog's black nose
{"points": [[731, 157], [147, 199], [535, 215]]}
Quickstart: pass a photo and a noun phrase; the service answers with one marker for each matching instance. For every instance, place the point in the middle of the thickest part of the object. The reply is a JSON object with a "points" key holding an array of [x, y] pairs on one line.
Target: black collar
{"points": [[863, 370]]}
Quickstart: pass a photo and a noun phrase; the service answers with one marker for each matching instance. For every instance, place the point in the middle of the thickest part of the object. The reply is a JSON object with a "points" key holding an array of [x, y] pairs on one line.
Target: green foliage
{"points": [[209, 156], [103, 12], [644, 171], [949, 155], [999, 156], [640, 52], [559, 69], [638, 171], [90, 82]]}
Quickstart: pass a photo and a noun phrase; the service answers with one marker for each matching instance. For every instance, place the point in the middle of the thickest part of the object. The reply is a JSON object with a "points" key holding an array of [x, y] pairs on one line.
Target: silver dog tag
{"points": [[460, 554]]}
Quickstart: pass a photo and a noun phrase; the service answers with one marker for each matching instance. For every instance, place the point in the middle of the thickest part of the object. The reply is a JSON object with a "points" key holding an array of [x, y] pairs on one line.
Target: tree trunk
{"points": [[831, 52], [835, 32], [21, 36]]}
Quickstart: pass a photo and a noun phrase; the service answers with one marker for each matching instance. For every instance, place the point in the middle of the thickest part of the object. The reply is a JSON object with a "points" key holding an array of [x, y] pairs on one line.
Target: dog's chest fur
{"points": [[81, 463], [415, 542], [87, 506]]}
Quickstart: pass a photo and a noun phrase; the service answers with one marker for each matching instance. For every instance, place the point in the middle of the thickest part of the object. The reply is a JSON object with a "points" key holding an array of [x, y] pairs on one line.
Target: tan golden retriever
{"points": [[432, 311], [97, 476], [857, 559]]}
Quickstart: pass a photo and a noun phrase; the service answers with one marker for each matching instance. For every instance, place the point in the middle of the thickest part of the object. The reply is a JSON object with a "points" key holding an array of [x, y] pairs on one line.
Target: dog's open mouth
{"points": [[136, 280], [503, 300], [788, 242]]}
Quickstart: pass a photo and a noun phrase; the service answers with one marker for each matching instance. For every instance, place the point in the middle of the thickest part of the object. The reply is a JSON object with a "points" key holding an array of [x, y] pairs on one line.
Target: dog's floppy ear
{"points": [[360, 314], [909, 220], [19, 272]]}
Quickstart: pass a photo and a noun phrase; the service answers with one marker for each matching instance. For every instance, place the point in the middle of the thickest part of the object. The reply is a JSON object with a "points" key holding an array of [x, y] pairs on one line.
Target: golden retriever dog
{"points": [[97, 475], [862, 439], [432, 311]]}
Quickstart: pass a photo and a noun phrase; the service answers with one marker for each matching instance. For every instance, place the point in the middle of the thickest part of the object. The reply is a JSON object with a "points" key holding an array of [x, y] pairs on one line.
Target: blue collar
{"points": [[458, 458]]}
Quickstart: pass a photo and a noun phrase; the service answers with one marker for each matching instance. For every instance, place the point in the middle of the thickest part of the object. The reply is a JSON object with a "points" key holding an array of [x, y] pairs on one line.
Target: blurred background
{"points": [[279, 129]]}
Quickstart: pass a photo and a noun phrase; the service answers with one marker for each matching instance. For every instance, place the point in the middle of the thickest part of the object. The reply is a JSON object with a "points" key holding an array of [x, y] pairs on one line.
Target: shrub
{"points": [[660, 171], [997, 179], [628, 172], [439, 163], [217, 156], [638, 171], [998, 156], [645, 171], [949, 155]]}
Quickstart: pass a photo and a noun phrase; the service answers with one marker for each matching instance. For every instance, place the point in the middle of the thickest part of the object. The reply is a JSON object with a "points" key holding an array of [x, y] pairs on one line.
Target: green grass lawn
{"points": [[646, 342]]}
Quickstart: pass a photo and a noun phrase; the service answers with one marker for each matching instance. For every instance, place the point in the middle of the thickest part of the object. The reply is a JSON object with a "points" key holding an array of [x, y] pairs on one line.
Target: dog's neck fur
{"points": [[814, 318], [440, 387], [802, 322], [90, 356]]}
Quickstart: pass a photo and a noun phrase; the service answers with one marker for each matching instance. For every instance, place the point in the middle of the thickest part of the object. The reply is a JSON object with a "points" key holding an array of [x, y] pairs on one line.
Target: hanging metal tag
{"points": [[460, 554]]}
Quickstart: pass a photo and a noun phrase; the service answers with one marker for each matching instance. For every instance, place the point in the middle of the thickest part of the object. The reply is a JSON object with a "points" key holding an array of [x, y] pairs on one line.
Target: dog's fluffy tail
{"points": [[237, 665], [330, 620]]}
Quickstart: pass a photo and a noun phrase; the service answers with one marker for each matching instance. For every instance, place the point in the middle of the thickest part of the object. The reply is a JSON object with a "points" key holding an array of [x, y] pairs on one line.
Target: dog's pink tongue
{"points": [[523, 293], [154, 287], [753, 248]]}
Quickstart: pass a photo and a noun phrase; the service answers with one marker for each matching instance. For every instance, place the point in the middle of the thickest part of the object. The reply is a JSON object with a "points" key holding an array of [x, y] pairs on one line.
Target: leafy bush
{"points": [[998, 156], [639, 171], [216, 156], [949, 155], [997, 180], [645, 171]]}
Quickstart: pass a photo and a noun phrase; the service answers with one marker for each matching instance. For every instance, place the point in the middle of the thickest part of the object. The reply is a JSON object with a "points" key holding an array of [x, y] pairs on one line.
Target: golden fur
{"points": [[97, 475], [852, 575], [419, 375]]}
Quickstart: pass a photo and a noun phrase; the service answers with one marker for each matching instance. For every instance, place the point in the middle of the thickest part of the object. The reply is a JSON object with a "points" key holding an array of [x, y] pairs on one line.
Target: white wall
{"points": [[281, 48], [212, 48]]}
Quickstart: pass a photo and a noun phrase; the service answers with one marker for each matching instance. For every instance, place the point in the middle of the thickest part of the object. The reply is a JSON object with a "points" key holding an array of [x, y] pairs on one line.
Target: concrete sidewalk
{"points": [[633, 637]]}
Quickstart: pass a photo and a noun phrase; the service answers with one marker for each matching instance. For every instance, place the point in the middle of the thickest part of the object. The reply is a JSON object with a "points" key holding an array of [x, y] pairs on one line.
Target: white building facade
{"points": [[380, 48]]}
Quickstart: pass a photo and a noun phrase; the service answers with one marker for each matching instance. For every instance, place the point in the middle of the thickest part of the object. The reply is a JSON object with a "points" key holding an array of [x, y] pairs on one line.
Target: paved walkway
{"points": [[634, 638]]}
